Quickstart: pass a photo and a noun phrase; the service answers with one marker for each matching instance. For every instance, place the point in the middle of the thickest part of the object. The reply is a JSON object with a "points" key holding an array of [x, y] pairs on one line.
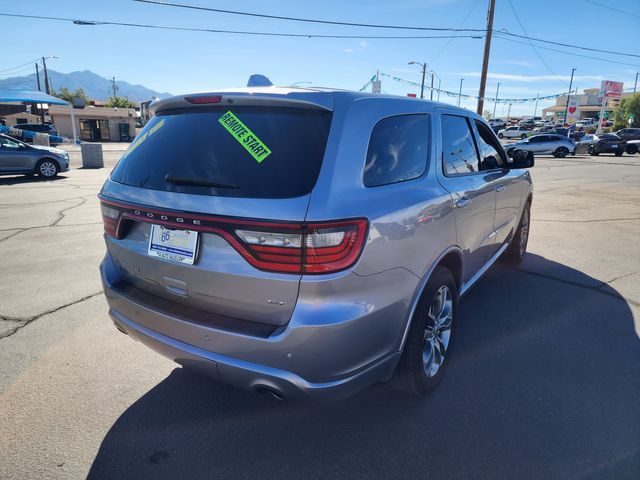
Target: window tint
{"points": [[491, 153], [458, 149], [397, 150], [210, 145]]}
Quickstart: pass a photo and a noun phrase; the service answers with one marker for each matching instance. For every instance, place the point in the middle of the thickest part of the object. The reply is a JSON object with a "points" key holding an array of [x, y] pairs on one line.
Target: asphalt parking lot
{"points": [[545, 382]]}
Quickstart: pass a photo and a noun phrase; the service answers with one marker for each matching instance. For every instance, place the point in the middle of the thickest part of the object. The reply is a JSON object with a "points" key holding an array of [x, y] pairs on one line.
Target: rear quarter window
{"points": [[397, 151], [281, 157]]}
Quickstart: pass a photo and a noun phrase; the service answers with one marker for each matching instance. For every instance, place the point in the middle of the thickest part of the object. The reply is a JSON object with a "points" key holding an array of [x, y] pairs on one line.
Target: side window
{"points": [[9, 144], [397, 151], [458, 150], [491, 153]]}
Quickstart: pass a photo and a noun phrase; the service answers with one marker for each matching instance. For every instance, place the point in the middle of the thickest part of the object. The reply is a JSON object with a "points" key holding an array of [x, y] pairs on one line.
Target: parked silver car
{"points": [[17, 158], [556, 145], [308, 242]]}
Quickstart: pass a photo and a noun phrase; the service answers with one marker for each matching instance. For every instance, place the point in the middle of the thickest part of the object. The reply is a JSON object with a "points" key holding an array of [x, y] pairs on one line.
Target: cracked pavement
{"points": [[545, 382]]}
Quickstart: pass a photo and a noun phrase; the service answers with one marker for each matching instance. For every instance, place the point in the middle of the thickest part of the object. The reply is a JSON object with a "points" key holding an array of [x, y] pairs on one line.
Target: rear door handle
{"points": [[463, 202], [499, 188]]}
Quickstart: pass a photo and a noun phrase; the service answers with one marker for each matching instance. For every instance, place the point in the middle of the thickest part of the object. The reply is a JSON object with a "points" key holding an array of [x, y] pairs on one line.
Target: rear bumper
{"points": [[252, 376], [331, 347]]}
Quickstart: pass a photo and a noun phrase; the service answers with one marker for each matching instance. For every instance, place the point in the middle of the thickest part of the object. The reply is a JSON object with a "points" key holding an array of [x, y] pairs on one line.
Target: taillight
{"points": [[110, 218], [284, 247], [313, 248], [204, 99]]}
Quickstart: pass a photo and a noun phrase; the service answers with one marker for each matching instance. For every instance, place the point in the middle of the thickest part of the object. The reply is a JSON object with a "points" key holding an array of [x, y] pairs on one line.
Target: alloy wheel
{"points": [[437, 333], [47, 169], [524, 233]]}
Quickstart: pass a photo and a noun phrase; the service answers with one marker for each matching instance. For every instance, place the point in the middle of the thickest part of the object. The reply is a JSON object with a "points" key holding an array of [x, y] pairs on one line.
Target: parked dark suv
{"points": [[629, 133]]}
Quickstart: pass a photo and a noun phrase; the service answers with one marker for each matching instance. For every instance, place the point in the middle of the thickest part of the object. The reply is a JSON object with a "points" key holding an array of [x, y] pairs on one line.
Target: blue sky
{"points": [[181, 62]]}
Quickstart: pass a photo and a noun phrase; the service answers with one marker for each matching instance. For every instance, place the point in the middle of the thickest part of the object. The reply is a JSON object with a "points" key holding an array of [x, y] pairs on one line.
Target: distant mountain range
{"points": [[95, 86]]}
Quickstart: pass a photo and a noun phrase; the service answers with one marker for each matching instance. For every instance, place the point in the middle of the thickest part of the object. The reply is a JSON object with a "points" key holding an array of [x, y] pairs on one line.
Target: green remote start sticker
{"points": [[258, 150]]}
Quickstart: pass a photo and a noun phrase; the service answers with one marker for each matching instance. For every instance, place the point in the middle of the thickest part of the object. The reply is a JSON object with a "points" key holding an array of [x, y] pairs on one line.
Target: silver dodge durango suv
{"points": [[307, 242]]}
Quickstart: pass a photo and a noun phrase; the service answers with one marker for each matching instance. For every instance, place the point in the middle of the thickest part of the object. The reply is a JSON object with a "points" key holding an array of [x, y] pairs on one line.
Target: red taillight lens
{"points": [[110, 217], [313, 248], [202, 99]]}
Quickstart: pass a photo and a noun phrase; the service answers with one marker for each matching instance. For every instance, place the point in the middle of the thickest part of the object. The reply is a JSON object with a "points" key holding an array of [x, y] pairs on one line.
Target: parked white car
{"points": [[514, 132]]}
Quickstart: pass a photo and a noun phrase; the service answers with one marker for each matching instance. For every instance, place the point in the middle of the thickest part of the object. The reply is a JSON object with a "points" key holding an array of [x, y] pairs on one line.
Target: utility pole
{"points": [[46, 77], [115, 88], [535, 109], [439, 87], [460, 91], [635, 85], [495, 102], [424, 71], [38, 77], [509, 112], [485, 60], [566, 108]]}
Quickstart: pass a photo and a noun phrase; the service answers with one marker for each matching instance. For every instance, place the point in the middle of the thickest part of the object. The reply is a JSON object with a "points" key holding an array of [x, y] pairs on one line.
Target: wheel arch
{"points": [[42, 159], [451, 259]]}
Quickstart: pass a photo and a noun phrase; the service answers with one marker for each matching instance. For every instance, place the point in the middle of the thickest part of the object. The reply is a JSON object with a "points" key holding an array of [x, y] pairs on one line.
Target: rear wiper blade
{"points": [[196, 181]]}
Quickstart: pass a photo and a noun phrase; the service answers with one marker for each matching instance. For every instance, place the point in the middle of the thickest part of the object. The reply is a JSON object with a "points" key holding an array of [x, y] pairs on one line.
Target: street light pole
{"points": [[566, 108], [535, 109], [439, 89], [460, 91], [495, 102], [46, 77], [431, 96], [635, 85]]}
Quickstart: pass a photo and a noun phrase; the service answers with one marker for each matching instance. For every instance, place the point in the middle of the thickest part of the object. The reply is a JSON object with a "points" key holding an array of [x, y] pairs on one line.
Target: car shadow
{"points": [[22, 179], [544, 383]]}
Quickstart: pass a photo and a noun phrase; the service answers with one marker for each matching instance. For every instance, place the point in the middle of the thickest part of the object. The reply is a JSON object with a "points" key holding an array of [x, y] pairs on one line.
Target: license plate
{"points": [[176, 245]]}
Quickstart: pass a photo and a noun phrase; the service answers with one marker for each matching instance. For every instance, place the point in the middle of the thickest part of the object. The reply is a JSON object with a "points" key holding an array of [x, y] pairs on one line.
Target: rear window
{"points": [[253, 152]]}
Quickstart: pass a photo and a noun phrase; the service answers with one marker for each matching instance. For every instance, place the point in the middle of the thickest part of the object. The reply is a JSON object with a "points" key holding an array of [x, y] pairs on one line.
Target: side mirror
{"points": [[521, 159]]}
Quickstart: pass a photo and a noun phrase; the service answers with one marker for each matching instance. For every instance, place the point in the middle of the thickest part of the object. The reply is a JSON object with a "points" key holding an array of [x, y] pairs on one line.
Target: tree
{"points": [[120, 102], [628, 106], [65, 94], [487, 114]]}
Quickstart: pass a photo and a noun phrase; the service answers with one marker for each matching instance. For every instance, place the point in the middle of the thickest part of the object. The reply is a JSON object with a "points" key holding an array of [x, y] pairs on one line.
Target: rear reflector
{"points": [[284, 247], [204, 99]]}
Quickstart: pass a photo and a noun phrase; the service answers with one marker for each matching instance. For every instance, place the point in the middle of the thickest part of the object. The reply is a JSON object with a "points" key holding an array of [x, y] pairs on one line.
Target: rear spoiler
{"points": [[306, 100]]}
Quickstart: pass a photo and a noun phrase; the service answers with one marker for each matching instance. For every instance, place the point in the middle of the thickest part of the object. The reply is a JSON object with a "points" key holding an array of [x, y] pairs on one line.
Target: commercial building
{"points": [[95, 124], [588, 105]]}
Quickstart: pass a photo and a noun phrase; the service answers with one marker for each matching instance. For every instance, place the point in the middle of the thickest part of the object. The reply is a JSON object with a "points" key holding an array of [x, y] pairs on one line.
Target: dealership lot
{"points": [[545, 382]]}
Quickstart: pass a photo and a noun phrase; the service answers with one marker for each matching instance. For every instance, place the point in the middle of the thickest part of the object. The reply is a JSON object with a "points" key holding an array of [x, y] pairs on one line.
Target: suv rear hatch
{"points": [[236, 172]]}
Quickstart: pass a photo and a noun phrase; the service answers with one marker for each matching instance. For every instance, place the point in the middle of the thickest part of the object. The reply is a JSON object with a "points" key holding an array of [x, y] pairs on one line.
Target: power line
{"points": [[612, 8], [18, 66], [446, 45], [532, 45], [236, 32], [305, 20], [574, 54], [372, 25]]}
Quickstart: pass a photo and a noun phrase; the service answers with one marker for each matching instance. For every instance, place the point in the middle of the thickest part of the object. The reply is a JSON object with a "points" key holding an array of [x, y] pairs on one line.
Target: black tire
{"points": [[561, 152], [517, 249], [523, 136], [47, 168], [411, 372], [500, 136], [632, 149], [619, 153], [593, 152]]}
